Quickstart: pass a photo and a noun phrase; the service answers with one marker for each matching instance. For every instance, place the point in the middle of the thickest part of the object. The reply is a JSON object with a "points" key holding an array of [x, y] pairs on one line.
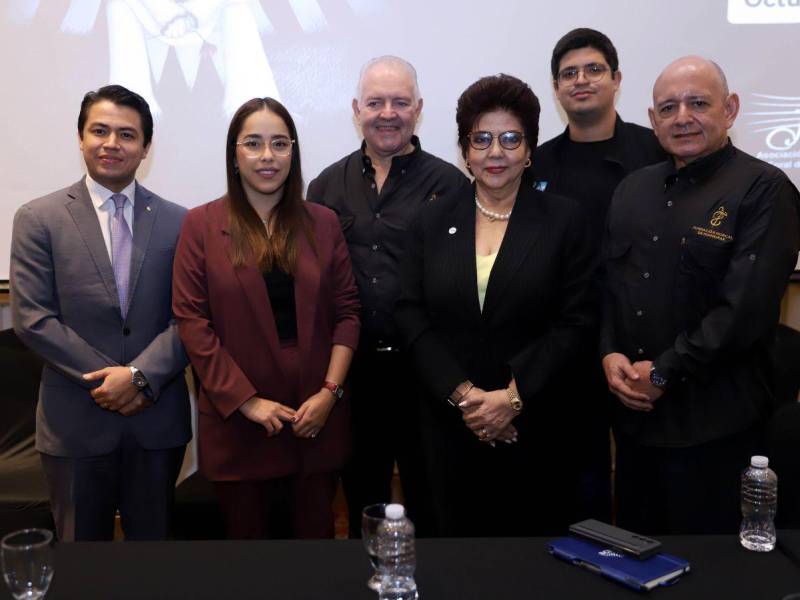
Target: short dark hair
{"points": [[583, 37], [498, 92], [120, 96]]}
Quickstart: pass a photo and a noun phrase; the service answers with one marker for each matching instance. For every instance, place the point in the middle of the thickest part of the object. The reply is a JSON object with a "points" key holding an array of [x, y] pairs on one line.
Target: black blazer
{"points": [[539, 306]]}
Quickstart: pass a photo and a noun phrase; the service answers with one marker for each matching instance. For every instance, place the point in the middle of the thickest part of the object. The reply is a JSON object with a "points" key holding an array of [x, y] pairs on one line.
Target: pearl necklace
{"points": [[492, 216]]}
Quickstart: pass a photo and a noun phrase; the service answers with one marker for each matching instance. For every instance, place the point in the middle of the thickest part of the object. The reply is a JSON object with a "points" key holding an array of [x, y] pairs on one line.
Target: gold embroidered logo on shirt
{"points": [[718, 216]]}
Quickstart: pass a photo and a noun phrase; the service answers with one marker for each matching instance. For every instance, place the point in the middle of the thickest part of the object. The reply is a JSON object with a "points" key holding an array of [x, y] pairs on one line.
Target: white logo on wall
{"points": [[141, 33], [763, 12], [778, 118]]}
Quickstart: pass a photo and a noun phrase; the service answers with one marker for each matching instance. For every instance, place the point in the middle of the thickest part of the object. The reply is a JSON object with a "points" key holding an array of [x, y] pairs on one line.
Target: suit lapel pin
{"points": [[452, 230], [147, 208]]}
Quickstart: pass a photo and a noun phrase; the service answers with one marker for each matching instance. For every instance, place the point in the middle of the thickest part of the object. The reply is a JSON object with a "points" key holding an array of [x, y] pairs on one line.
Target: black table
{"points": [[486, 569]]}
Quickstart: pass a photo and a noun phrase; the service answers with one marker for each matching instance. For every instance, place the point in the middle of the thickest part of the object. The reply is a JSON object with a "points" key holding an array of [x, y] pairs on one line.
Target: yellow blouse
{"points": [[483, 265]]}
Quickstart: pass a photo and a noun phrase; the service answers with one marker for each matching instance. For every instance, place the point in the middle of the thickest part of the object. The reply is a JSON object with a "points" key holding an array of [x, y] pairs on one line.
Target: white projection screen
{"points": [[197, 60]]}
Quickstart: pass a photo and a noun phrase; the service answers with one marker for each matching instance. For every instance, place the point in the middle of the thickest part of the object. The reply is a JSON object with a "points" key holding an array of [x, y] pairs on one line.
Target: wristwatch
{"points": [[656, 379], [514, 399], [137, 378], [334, 388], [461, 390]]}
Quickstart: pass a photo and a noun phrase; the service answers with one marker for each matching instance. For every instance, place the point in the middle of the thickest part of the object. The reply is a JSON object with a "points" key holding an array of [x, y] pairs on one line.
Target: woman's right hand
{"points": [[267, 413]]}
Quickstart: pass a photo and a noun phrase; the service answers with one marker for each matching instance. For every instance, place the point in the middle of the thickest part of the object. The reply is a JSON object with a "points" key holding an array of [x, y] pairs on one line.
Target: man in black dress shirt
{"points": [[377, 191], [586, 162], [699, 253]]}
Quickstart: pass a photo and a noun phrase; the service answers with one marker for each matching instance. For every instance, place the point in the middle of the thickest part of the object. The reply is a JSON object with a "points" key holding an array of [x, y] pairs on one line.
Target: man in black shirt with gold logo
{"points": [[699, 253], [377, 191]]}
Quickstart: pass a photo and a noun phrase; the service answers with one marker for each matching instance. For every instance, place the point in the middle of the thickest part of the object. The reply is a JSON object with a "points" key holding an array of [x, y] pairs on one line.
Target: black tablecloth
{"points": [[446, 568]]}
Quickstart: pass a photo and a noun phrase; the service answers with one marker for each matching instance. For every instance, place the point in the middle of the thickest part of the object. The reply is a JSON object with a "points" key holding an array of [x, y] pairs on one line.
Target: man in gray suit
{"points": [[91, 282]]}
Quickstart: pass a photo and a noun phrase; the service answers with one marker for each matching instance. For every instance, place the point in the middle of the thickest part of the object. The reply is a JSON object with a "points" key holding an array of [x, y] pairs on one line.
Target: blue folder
{"points": [[643, 575]]}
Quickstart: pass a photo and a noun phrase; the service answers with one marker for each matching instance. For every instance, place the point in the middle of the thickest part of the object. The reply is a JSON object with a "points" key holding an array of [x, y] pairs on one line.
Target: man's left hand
{"points": [[139, 403], [643, 384], [117, 389]]}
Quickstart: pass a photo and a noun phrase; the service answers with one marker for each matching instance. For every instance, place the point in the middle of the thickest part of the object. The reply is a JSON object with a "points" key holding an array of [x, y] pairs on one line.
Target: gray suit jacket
{"points": [[65, 307]]}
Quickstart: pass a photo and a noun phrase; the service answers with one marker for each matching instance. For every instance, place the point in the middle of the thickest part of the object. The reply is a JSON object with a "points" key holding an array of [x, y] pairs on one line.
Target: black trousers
{"points": [[389, 424], [85, 493], [692, 490]]}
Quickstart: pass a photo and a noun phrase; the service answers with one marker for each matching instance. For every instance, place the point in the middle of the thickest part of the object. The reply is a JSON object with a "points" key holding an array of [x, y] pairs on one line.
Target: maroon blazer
{"points": [[226, 324]]}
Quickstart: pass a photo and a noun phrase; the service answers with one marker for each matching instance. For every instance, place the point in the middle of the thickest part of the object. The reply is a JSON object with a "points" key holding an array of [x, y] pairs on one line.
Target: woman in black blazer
{"points": [[496, 298]]}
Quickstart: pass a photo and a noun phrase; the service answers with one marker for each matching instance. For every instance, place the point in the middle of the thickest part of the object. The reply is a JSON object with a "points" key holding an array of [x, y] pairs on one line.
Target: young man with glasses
{"points": [[586, 162]]}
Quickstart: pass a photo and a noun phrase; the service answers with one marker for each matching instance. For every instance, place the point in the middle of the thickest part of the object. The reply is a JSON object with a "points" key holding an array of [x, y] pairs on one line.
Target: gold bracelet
{"points": [[514, 399]]}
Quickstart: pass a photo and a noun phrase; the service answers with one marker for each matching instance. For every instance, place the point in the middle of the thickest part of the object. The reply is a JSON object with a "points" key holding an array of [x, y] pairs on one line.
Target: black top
{"points": [[589, 171], [539, 302], [375, 224], [698, 260], [280, 288]]}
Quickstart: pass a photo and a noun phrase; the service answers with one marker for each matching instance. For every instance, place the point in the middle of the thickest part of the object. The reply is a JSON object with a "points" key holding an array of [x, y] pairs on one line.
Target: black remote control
{"points": [[625, 541]]}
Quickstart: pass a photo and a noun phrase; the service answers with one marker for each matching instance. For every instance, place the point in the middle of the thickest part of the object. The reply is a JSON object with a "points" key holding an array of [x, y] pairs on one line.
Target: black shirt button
{"points": [[374, 247], [126, 331], [655, 238], [373, 312], [640, 351], [646, 275], [374, 280], [373, 186], [752, 257], [669, 202], [377, 215], [639, 313]]}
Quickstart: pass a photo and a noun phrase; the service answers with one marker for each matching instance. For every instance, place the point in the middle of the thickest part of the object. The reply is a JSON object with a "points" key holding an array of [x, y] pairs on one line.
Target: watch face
{"points": [[139, 380]]}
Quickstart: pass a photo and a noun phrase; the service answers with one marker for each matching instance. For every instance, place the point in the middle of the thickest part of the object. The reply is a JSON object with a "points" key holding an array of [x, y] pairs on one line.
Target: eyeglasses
{"points": [[254, 147], [481, 140], [592, 72]]}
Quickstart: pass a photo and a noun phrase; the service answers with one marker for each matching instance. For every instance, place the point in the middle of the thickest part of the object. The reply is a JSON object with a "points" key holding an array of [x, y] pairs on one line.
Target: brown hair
{"points": [[249, 238]]}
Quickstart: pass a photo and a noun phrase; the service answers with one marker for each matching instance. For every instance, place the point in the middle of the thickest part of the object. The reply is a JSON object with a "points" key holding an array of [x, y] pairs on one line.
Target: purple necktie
{"points": [[121, 243]]}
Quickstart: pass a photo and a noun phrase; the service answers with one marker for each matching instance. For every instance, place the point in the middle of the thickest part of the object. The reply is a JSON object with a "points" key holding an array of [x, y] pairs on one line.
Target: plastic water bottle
{"points": [[759, 503], [397, 558]]}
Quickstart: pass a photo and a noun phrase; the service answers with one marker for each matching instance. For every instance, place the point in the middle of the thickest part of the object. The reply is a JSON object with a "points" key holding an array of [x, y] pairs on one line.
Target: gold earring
{"points": [[528, 162], [467, 163]]}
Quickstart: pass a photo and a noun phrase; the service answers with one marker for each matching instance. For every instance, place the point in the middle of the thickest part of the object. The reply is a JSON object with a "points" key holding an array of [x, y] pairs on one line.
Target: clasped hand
{"points": [[117, 392], [488, 415], [307, 421], [630, 382]]}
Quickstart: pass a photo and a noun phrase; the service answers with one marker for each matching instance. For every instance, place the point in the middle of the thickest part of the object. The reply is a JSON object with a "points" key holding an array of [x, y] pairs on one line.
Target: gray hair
{"points": [[388, 60]]}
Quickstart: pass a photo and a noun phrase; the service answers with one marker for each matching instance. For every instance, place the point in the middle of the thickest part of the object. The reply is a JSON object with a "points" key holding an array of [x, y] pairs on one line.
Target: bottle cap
{"points": [[759, 462], [395, 511]]}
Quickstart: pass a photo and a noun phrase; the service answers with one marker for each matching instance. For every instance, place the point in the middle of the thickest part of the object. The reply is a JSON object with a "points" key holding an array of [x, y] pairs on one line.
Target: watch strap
{"points": [[514, 399], [462, 389], [334, 388]]}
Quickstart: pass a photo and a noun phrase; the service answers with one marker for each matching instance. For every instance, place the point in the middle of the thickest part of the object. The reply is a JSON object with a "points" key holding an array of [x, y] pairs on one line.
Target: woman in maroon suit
{"points": [[267, 309]]}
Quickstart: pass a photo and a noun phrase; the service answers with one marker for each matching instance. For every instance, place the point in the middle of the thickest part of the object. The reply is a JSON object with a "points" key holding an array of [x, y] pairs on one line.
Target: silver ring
{"points": [[313, 435]]}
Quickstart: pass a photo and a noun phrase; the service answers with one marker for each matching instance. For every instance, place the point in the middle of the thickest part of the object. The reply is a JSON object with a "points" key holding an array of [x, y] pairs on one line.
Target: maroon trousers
{"points": [[297, 506]]}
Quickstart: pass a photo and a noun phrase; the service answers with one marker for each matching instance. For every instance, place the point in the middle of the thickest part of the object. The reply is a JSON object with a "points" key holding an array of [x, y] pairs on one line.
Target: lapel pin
{"points": [[452, 230], [147, 208]]}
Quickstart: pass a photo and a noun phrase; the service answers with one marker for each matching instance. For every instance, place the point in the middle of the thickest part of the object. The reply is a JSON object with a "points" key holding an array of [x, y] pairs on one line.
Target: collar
{"points": [[398, 162], [614, 149], [702, 168], [100, 194]]}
